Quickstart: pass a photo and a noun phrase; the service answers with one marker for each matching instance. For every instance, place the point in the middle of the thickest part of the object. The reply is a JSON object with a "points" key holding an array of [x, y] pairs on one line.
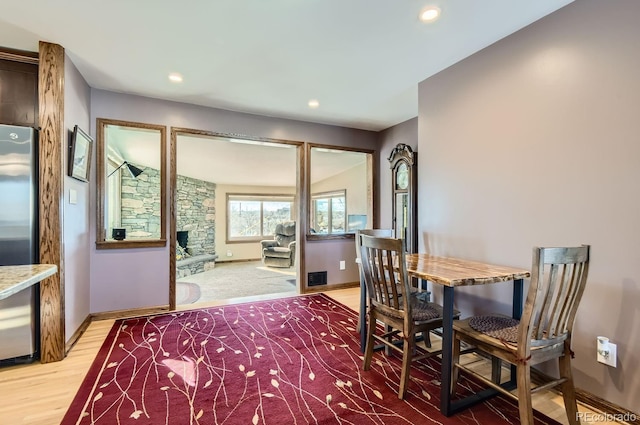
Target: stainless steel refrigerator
{"points": [[19, 241]]}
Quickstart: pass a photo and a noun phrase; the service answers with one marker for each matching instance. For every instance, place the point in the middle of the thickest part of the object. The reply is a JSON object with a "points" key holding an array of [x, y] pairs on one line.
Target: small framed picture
{"points": [[80, 147]]}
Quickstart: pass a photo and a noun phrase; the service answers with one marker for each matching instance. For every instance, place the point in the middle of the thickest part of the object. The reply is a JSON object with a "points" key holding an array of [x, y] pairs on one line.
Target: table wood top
{"points": [[450, 271]]}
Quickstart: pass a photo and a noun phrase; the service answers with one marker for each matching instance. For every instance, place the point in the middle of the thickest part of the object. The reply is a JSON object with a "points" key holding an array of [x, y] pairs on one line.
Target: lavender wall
{"points": [[76, 216], [123, 279], [534, 142]]}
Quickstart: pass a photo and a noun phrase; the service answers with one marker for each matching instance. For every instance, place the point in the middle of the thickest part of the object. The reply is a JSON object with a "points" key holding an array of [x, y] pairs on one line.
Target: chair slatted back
{"points": [[558, 279], [385, 274], [381, 233]]}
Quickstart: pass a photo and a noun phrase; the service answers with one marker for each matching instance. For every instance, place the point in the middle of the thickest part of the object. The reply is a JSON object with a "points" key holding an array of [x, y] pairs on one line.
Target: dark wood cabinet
{"points": [[18, 93]]}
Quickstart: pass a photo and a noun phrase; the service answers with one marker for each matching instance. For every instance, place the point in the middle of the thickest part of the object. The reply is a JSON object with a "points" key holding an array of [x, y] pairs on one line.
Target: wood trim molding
{"points": [[131, 244], [302, 227], [134, 312], [173, 217], [52, 140], [77, 334], [592, 400], [300, 185], [327, 288], [607, 407], [22, 56], [101, 240], [324, 237]]}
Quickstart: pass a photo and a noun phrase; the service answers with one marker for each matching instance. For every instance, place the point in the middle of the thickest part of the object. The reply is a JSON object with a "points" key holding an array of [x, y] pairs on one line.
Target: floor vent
{"points": [[317, 278]]}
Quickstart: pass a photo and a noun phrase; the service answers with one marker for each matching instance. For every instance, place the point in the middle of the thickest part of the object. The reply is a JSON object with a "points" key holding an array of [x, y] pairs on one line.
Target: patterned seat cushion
{"points": [[423, 310], [502, 328]]}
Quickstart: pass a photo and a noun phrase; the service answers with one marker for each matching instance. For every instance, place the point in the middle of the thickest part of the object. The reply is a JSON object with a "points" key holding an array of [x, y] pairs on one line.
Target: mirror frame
{"points": [[101, 240], [300, 194], [370, 195], [403, 154]]}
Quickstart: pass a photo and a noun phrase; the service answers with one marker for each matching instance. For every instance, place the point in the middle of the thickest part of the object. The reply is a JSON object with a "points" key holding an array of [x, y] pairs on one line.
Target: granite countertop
{"points": [[14, 279]]}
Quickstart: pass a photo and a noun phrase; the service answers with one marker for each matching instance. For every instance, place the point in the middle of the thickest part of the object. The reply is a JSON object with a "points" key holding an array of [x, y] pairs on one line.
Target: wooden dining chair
{"points": [[384, 233], [543, 333], [393, 302]]}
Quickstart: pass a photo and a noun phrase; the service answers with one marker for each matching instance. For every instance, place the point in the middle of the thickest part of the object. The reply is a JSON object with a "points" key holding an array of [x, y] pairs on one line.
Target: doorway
{"points": [[229, 194]]}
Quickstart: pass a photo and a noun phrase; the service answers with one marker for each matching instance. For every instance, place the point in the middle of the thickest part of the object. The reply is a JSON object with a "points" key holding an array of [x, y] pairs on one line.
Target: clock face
{"points": [[402, 177]]}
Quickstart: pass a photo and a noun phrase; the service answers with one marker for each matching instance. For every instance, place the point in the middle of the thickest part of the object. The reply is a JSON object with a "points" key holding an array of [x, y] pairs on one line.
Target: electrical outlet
{"points": [[343, 265], [607, 352], [610, 360], [229, 253]]}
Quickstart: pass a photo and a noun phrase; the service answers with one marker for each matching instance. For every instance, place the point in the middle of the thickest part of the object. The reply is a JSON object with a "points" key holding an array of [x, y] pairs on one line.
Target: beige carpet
{"points": [[241, 279]]}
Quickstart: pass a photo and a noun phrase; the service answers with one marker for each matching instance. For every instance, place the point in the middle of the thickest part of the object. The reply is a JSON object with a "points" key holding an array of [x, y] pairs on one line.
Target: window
{"points": [[254, 217], [329, 212]]}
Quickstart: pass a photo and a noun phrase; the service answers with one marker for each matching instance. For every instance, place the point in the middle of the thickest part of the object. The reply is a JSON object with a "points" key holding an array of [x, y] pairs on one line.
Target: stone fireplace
{"points": [[196, 219]]}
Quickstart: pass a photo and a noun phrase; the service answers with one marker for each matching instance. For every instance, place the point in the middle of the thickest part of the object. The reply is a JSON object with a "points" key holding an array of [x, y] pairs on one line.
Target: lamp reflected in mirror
{"points": [[133, 170]]}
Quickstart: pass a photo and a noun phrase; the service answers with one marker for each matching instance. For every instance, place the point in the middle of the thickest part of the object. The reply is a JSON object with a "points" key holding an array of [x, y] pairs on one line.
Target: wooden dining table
{"points": [[450, 273]]}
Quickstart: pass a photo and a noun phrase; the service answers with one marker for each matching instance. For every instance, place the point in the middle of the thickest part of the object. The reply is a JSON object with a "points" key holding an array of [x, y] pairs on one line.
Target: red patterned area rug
{"points": [[287, 361]]}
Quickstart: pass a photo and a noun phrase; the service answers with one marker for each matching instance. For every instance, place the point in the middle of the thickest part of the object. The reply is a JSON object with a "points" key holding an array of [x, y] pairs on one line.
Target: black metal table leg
{"points": [[447, 407], [363, 314], [518, 294], [447, 351], [517, 298]]}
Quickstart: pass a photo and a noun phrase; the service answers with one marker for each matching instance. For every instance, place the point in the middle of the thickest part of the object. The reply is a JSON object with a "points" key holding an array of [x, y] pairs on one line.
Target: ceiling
{"points": [[361, 59]]}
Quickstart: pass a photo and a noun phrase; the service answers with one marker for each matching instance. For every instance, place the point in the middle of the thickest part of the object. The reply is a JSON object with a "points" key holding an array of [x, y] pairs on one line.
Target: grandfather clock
{"points": [[404, 167]]}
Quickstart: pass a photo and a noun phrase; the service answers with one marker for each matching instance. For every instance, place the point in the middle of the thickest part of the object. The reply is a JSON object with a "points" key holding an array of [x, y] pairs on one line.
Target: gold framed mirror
{"points": [[131, 184]]}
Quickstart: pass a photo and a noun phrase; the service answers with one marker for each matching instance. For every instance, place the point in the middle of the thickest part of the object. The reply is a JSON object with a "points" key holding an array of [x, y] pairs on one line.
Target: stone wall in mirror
{"points": [[341, 199], [131, 184]]}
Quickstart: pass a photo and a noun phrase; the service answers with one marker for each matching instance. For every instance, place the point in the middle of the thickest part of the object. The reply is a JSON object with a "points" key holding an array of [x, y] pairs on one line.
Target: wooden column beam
{"points": [[52, 141]]}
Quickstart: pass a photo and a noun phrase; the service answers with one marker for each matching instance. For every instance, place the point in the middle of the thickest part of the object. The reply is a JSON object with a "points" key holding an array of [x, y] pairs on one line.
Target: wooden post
{"points": [[52, 141]]}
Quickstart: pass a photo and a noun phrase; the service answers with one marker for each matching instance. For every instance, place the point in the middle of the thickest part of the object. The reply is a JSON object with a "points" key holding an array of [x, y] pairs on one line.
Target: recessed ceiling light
{"points": [[313, 103], [429, 14], [175, 77]]}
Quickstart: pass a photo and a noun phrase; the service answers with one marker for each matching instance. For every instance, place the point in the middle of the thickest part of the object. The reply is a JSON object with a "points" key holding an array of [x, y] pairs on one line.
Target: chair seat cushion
{"points": [[423, 311], [277, 252], [499, 327]]}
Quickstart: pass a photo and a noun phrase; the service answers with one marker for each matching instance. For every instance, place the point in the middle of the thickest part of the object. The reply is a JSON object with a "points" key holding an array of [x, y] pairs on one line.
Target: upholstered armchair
{"points": [[281, 251]]}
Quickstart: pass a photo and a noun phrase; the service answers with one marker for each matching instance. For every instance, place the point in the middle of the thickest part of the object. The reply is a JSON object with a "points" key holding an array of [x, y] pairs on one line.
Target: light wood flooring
{"points": [[40, 394]]}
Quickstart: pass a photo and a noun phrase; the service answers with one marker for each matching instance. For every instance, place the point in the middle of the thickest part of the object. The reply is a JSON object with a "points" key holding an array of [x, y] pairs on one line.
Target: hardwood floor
{"points": [[40, 394]]}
